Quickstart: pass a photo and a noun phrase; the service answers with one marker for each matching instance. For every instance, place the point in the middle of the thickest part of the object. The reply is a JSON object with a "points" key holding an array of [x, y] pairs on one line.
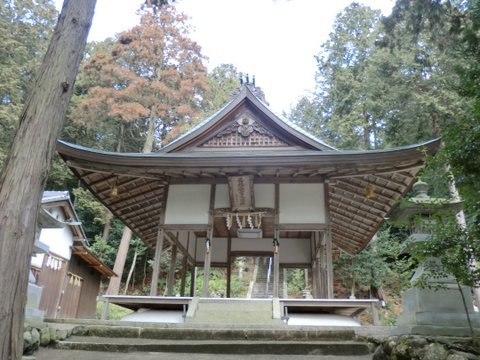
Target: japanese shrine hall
{"points": [[248, 182]]}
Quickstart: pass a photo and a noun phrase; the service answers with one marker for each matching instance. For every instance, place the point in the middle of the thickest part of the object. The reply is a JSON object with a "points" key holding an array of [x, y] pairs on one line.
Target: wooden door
{"points": [[70, 297]]}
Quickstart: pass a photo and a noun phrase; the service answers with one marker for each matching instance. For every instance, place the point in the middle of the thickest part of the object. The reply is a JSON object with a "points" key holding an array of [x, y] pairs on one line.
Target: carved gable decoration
{"points": [[244, 131]]}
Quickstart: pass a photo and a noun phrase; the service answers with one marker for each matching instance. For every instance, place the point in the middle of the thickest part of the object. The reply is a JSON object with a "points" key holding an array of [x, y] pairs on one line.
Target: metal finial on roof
{"points": [[241, 78], [246, 78], [253, 80]]}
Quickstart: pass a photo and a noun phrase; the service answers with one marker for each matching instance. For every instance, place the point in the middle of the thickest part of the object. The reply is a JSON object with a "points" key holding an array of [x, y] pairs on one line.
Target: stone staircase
{"points": [[263, 281], [210, 339], [233, 311]]}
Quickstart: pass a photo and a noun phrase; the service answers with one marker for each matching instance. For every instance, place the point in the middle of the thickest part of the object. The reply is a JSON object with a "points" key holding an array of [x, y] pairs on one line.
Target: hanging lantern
{"points": [[370, 191], [114, 191], [276, 245], [207, 245]]}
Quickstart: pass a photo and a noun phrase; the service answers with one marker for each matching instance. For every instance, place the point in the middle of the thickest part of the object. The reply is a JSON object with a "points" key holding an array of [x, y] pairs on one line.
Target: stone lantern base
{"points": [[437, 312]]}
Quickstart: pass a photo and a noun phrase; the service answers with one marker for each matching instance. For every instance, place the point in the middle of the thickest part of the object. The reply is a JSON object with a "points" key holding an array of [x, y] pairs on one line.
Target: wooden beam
{"points": [[363, 213], [360, 192], [122, 198], [171, 271], [357, 203], [302, 227], [174, 240], [116, 169], [140, 203], [347, 219]]}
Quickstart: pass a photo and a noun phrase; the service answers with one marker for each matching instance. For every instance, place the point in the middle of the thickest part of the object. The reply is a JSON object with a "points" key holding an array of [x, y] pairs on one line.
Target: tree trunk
{"points": [[108, 225], [26, 167], [114, 284], [134, 261]]}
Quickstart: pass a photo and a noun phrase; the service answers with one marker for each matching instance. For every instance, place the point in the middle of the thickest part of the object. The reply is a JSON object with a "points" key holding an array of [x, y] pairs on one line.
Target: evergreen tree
{"points": [[25, 30]]}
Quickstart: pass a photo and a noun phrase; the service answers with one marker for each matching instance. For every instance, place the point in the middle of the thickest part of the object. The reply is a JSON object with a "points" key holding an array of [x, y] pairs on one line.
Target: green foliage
{"points": [[90, 211], [456, 249], [221, 83], [295, 282], [104, 251], [381, 85], [381, 263], [25, 29], [115, 312]]}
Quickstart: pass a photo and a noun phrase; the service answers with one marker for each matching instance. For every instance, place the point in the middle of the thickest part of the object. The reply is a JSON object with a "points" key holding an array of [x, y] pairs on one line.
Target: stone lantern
{"points": [[429, 311]]}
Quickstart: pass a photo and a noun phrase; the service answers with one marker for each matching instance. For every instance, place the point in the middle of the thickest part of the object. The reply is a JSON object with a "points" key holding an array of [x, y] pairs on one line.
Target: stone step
{"points": [[116, 344], [233, 311], [216, 333]]}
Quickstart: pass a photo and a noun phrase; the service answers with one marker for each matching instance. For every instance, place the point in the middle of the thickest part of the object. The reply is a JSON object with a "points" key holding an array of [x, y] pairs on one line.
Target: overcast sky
{"points": [[275, 40]]}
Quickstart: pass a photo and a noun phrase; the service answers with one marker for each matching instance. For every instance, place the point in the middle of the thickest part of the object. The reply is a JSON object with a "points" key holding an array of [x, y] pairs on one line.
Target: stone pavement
{"points": [[51, 354]]}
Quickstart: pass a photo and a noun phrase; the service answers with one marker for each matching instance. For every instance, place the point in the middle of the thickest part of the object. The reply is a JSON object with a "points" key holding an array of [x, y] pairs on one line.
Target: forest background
{"points": [[381, 83]]}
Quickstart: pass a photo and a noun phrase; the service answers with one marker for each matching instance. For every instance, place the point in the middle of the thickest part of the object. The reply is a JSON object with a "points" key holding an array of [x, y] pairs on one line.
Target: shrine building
{"points": [[248, 182]]}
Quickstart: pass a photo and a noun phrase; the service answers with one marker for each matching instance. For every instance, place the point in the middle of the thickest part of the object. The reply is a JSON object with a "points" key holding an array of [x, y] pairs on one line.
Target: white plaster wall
{"points": [[292, 251], [187, 204], [219, 250], [264, 195], [264, 244], [189, 245], [302, 204], [222, 197], [37, 260], [60, 240], [295, 251]]}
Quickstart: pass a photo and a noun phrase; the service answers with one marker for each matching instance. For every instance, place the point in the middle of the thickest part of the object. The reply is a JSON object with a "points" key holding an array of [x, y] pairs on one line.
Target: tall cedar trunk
{"points": [[26, 168], [130, 273], [114, 284], [108, 225]]}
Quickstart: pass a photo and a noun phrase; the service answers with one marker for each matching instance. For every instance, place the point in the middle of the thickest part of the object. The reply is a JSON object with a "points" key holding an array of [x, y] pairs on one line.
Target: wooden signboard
{"points": [[241, 192]]}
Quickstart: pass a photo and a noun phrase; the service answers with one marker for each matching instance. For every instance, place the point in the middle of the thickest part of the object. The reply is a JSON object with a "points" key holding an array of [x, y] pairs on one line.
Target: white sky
{"points": [[275, 40]]}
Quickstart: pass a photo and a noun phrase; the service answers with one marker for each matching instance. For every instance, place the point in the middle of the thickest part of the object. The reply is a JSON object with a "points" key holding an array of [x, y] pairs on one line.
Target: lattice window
{"points": [[237, 140]]}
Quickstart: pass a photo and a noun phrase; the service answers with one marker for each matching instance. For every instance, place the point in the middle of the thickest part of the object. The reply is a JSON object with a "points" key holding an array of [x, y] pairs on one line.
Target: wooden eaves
{"points": [[355, 213]]}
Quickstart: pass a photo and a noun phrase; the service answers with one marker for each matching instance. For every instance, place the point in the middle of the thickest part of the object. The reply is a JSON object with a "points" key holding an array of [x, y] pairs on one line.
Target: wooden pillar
{"points": [[208, 244], [328, 242], [183, 275], [159, 246], [314, 279], [322, 266], [206, 265], [276, 243], [193, 279], [156, 262], [229, 266], [329, 263], [184, 267], [171, 271], [305, 273]]}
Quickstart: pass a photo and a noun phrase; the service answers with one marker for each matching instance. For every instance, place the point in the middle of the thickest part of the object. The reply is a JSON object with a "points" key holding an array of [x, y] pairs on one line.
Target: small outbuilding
{"points": [[67, 272]]}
